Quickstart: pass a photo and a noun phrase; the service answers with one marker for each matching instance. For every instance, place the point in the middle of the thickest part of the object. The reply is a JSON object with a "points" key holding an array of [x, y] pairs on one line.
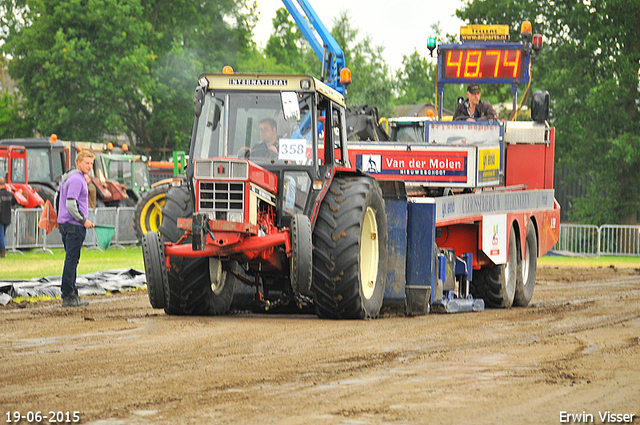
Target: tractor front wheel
{"points": [[197, 286], [301, 260], [155, 269]]}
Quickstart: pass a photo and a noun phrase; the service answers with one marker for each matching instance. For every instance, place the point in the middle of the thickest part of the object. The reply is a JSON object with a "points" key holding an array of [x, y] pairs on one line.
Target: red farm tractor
{"points": [[295, 226], [13, 167]]}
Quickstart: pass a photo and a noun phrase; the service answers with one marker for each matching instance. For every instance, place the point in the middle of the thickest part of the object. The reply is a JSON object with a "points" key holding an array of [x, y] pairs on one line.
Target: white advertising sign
{"points": [[494, 237]]}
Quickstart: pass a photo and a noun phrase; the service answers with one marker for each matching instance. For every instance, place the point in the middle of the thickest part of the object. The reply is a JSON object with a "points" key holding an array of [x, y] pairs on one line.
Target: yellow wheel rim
{"points": [[217, 275], [151, 216], [369, 253]]}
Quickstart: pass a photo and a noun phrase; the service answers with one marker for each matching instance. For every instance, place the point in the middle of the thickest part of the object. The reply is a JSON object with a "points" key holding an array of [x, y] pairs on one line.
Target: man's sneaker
{"points": [[73, 301]]}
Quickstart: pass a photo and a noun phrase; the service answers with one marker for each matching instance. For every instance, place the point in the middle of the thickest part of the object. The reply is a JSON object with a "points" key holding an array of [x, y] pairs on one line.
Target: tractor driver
{"points": [[268, 148], [473, 109]]}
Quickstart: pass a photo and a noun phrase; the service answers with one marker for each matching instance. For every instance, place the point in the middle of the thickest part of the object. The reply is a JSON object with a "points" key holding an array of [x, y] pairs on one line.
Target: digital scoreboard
{"points": [[483, 63]]}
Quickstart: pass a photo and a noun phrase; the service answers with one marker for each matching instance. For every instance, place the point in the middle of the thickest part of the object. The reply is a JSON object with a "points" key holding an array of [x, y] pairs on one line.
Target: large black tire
{"points": [[527, 269], [148, 216], [200, 286], [155, 269], [497, 285], [45, 192], [177, 204], [301, 261], [350, 250], [193, 288]]}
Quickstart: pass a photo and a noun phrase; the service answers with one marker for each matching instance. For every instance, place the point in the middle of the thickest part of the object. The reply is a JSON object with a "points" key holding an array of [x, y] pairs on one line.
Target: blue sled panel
{"points": [[421, 254], [396, 209]]}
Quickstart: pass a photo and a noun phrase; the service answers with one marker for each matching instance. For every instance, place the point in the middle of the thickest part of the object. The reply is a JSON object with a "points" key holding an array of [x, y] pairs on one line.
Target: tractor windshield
{"points": [[39, 169], [141, 174], [253, 126], [4, 168]]}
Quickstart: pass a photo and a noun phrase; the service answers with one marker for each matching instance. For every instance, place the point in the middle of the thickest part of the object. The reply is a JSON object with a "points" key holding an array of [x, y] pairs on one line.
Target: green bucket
{"points": [[104, 235]]}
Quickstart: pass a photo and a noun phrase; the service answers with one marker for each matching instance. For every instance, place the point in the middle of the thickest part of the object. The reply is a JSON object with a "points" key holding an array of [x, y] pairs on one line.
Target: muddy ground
{"points": [[575, 349]]}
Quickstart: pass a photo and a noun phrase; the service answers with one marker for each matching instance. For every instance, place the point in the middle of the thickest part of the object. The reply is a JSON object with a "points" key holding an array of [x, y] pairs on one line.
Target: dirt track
{"points": [[575, 349]]}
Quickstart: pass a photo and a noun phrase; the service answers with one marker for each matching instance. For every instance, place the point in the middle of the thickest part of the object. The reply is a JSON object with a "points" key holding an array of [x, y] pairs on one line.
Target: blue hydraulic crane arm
{"points": [[330, 53]]}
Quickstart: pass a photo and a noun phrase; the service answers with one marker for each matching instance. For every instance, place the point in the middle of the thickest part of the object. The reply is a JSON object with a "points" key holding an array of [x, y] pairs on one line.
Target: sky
{"points": [[400, 26]]}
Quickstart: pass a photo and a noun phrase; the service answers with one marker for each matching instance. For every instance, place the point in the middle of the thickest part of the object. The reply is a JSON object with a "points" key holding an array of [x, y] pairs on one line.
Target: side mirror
{"points": [[217, 111], [198, 99], [290, 106], [540, 106]]}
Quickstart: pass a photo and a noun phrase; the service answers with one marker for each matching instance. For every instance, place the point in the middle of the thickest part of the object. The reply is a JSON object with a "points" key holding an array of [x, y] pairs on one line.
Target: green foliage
{"points": [[415, 81], [77, 61], [372, 83], [12, 120], [287, 43], [590, 66], [91, 67]]}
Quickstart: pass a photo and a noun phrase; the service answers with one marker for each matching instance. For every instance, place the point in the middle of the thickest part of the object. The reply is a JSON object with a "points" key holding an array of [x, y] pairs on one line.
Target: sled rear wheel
{"points": [[497, 285], [527, 269]]}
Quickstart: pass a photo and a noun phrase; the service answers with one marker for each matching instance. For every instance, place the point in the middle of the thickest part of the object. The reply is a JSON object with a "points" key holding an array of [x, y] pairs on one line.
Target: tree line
{"points": [[88, 68], [93, 67]]}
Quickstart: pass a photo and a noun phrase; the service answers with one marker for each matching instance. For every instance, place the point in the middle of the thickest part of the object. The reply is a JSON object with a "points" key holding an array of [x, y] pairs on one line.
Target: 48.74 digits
{"points": [[39, 417]]}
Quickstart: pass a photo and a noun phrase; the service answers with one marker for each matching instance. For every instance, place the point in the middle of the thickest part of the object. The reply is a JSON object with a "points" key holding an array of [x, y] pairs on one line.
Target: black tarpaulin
{"points": [[89, 284]]}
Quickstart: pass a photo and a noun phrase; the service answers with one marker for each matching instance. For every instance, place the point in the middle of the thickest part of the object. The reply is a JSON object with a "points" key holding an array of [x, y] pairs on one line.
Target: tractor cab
{"points": [[269, 130]]}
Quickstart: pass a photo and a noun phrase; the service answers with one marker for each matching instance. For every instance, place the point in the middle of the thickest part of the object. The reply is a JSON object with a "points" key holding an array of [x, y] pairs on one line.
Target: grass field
{"points": [[34, 265], [603, 261]]}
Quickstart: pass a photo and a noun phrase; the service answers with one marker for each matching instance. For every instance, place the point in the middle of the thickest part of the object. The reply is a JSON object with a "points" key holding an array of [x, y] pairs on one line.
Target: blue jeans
{"points": [[3, 229], [72, 239]]}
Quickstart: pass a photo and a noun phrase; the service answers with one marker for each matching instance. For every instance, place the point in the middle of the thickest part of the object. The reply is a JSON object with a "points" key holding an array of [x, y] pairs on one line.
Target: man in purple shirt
{"points": [[72, 218]]}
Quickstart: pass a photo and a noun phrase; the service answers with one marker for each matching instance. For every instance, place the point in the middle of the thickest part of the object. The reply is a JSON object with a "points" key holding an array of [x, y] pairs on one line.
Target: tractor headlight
{"points": [[235, 216]]}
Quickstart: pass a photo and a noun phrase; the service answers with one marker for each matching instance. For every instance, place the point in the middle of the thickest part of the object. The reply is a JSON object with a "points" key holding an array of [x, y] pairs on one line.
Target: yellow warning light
{"points": [[53, 139], [227, 70], [125, 147], [109, 146], [525, 29]]}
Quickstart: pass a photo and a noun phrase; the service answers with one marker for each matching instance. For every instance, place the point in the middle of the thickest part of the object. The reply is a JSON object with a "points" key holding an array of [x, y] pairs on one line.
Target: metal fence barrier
{"points": [[608, 239], [24, 233], [578, 239]]}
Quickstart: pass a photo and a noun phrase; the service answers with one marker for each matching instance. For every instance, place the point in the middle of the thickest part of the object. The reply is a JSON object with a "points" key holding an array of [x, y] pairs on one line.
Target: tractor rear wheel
{"points": [[497, 285], [177, 204], [197, 286], [148, 216], [527, 269], [350, 250], [155, 269]]}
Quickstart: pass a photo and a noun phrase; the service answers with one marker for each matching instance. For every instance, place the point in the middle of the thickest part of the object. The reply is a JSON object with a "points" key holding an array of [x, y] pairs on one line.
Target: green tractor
{"points": [[129, 170]]}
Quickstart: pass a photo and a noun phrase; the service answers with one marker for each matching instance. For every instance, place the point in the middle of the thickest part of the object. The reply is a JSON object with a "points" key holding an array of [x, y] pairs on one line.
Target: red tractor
{"points": [[270, 221], [13, 166], [47, 160]]}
